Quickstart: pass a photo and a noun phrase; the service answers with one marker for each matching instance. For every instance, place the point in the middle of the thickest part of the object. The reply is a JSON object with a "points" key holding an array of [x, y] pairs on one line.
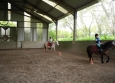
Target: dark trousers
{"points": [[99, 48], [50, 44]]}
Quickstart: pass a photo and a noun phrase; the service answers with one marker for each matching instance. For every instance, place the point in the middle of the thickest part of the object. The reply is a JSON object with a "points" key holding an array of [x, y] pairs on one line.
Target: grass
{"points": [[87, 38]]}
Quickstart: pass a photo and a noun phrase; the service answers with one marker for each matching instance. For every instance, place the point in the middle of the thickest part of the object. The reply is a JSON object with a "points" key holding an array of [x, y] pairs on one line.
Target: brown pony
{"points": [[105, 50]]}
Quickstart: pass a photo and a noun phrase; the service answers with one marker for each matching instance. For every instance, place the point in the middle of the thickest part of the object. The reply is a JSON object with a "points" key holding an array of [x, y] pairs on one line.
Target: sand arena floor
{"points": [[35, 66]]}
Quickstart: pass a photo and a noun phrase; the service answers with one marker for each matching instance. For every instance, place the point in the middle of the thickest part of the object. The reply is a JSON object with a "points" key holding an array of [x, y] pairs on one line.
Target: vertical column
{"points": [[56, 30], [20, 32], [13, 33], [44, 32], [47, 31], [33, 31], [33, 34], [75, 24], [20, 25], [0, 34]]}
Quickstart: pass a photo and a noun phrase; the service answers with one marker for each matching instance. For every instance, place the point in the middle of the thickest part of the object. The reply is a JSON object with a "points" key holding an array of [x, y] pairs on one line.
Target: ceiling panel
{"points": [[43, 6], [39, 6]]}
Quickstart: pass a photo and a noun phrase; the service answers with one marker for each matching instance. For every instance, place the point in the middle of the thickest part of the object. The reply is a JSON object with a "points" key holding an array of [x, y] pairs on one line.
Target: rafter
{"points": [[57, 12], [88, 2], [61, 2], [35, 17], [37, 2], [41, 11]]}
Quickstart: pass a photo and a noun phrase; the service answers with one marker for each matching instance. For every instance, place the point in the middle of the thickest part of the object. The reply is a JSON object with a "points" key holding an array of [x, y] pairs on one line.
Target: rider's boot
{"points": [[101, 56], [50, 44], [100, 51]]}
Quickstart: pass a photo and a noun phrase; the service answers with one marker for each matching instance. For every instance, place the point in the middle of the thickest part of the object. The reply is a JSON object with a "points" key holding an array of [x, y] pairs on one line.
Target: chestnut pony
{"points": [[105, 50]]}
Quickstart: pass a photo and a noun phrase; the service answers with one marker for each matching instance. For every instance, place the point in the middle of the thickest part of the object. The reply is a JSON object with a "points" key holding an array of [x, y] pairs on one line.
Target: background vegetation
{"points": [[99, 18]]}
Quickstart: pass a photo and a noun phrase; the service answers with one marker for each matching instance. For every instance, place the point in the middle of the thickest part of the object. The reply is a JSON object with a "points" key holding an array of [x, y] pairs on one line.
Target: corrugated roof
{"points": [[43, 10]]}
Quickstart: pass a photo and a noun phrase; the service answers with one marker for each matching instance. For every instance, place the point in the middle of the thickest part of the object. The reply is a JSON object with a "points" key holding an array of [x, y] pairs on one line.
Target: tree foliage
{"points": [[99, 18], [8, 23]]}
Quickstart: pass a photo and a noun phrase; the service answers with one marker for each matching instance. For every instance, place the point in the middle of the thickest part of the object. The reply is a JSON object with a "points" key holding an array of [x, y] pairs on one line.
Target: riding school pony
{"points": [[105, 50], [47, 45]]}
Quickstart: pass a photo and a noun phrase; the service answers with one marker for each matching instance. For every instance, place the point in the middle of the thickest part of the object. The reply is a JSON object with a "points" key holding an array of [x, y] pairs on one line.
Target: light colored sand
{"points": [[35, 66]]}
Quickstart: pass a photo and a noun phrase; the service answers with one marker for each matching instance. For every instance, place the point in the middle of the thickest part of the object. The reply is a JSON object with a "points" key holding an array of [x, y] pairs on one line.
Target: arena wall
{"points": [[78, 48]]}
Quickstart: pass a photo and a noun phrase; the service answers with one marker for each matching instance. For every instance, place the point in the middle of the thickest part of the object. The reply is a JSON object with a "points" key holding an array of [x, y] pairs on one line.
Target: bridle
{"points": [[113, 45]]}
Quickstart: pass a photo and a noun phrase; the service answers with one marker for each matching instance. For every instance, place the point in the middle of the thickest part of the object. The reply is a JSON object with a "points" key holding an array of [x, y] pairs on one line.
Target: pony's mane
{"points": [[106, 44]]}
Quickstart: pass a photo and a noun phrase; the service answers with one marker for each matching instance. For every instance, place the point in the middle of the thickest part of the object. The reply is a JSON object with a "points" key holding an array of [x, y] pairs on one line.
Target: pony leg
{"points": [[91, 61], [51, 49], [107, 59], [47, 49], [102, 58], [90, 54], [44, 47], [54, 49], [44, 50]]}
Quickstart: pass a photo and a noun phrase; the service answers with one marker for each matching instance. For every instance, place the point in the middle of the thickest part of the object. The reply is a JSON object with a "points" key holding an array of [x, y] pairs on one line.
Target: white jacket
{"points": [[50, 40]]}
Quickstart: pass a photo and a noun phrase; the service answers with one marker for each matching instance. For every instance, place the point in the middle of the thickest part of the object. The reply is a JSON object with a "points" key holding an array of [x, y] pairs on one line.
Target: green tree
{"points": [[52, 31]]}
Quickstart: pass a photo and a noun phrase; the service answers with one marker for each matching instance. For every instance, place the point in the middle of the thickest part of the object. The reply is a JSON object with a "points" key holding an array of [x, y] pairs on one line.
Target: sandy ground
{"points": [[36, 66]]}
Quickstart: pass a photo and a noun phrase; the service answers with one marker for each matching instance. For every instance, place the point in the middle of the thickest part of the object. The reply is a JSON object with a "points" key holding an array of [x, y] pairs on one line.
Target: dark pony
{"points": [[105, 50]]}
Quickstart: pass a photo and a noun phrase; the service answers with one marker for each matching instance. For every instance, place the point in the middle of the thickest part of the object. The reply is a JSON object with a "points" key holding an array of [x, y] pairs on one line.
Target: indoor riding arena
{"points": [[24, 28], [37, 66]]}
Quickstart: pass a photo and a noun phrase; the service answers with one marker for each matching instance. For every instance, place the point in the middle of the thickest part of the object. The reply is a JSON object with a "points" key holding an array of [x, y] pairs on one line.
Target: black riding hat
{"points": [[96, 35]]}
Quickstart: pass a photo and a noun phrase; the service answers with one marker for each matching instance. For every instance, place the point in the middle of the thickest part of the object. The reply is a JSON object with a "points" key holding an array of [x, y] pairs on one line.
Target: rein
{"points": [[106, 45], [113, 47]]}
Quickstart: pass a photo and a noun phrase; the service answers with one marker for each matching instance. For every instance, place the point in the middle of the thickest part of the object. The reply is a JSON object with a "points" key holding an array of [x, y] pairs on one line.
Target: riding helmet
{"points": [[96, 35]]}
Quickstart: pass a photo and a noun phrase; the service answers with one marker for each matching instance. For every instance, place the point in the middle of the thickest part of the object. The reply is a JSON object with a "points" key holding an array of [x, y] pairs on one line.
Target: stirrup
{"points": [[100, 50]]}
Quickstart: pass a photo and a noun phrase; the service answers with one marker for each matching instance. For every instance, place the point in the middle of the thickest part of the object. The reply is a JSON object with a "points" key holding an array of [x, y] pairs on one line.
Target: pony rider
{"points": [[98, 43], [50, 41]]}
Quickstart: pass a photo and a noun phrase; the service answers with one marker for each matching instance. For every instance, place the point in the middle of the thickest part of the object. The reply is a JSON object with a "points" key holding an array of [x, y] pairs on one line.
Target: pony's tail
{"points": [[89, 54]]}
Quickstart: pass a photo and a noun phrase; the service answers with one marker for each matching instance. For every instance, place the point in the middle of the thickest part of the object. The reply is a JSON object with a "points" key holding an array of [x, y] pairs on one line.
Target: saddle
{"points": [[49, 44], [96, 49]]}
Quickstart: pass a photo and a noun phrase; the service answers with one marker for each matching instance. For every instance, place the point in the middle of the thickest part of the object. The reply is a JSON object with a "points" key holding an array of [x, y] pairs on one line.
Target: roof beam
{"points": [[25, 11], [69, 8], [89, 2], [27, 16], [41, 11], [10, 9], [37, 2]]}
